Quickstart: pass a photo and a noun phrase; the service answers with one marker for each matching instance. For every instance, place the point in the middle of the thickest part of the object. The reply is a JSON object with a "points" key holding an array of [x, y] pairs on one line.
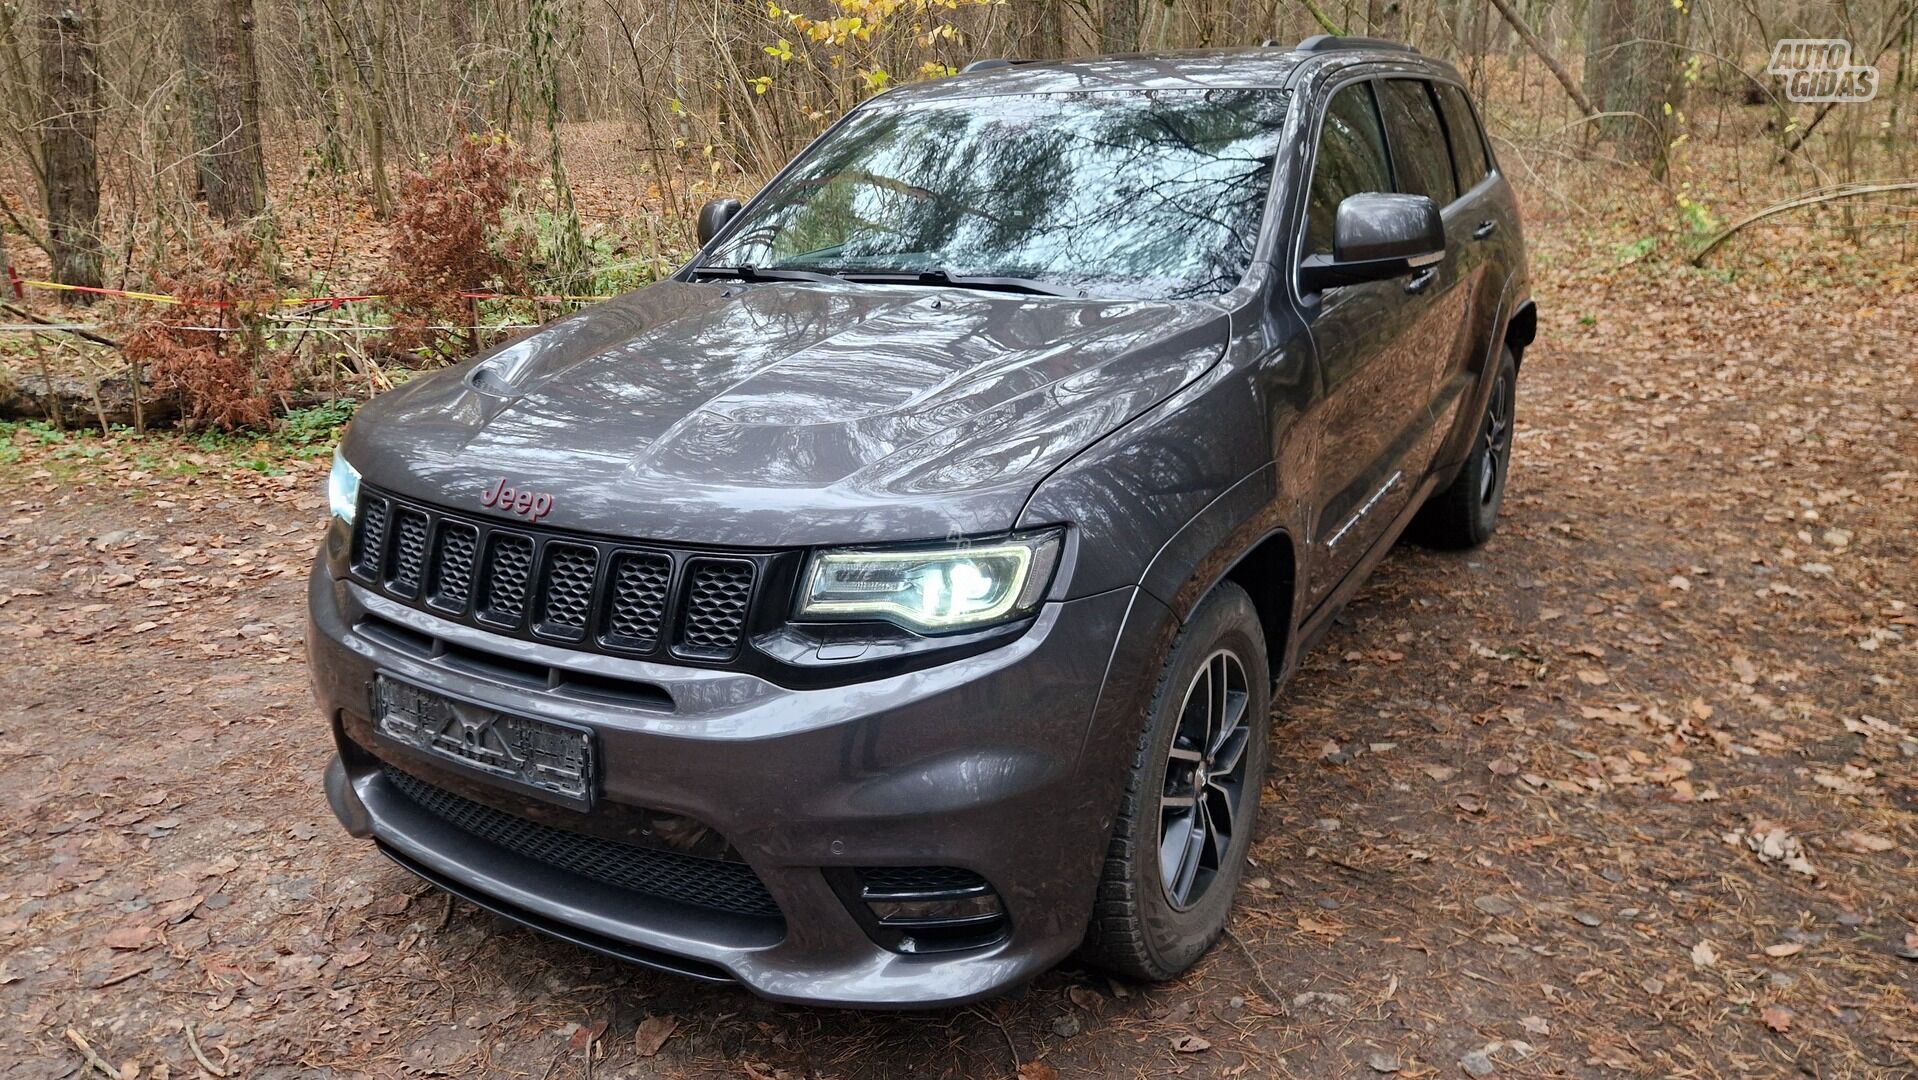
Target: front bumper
{"points": [[1008, 764]]}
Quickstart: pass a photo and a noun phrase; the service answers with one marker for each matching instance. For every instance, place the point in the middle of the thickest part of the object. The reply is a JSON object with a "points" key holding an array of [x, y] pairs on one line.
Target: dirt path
{"points": [[1628, 792]]}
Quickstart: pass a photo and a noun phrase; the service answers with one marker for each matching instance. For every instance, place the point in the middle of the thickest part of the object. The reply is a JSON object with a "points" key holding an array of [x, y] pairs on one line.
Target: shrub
{"points": [[442, 247], [211, 350]]}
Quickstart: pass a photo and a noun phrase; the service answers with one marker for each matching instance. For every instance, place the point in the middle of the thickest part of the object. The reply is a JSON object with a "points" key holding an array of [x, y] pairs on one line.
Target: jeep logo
{"points": [[533, 504]]}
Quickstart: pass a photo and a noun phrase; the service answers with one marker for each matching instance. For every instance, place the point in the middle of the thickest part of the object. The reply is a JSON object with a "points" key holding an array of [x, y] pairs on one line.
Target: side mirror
{"points": [[714, 216], [1378, 236]]}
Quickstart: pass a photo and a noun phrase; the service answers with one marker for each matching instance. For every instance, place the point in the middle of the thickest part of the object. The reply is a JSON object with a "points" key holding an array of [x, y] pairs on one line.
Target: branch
{"points": [[1323, 20], [1698, 258], [1551, 63], [43, 321], [23, 229]]}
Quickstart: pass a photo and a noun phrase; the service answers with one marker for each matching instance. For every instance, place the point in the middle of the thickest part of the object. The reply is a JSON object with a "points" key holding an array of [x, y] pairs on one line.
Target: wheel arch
{"points": [[1522, 329], [1268, 572]]}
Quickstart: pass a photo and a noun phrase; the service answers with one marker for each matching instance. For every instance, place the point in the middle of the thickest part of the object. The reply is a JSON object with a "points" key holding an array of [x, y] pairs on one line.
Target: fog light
{"points": [[922, 909]]}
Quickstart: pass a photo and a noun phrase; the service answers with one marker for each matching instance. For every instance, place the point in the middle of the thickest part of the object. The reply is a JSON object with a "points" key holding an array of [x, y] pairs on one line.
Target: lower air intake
{"points": [[717, 884]]}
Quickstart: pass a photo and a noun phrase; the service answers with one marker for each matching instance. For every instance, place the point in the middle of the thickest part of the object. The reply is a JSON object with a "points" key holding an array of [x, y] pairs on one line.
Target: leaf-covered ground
{"points": [[1630, 791]]}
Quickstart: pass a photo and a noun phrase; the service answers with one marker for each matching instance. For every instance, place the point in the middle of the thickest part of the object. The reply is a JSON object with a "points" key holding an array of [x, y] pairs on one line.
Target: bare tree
{"points": [[71, 89]]}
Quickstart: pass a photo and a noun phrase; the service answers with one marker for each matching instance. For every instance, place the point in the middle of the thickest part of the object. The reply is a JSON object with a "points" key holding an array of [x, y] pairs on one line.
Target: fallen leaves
{"points": [[652, 1034], [1868, 843]]}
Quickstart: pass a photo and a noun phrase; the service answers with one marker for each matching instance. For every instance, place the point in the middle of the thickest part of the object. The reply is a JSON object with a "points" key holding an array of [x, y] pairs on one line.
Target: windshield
{"points": [[1133, 193]]}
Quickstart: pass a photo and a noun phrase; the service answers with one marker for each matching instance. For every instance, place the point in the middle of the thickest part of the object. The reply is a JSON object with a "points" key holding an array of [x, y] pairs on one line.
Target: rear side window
{"points": [[1420, 159], [1351, 160], [1468, 145]]}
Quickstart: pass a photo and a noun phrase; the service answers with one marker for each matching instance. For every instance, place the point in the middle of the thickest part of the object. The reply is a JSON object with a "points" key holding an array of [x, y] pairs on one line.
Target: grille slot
{"points": [[504, 576], [637, 604], [539, 584], [717, 593], [451, 583], [716, 884], [369, 537], [407, 567], [566, 591]]}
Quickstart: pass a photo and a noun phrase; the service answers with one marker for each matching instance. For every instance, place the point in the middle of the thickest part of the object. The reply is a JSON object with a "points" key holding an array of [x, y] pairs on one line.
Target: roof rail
{"points": [[992, 62], [1319, 43]]}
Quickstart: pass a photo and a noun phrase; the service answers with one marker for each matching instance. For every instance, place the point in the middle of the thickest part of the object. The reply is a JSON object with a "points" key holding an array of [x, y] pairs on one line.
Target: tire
{"points": [[1161, 906], [1466, 512]]}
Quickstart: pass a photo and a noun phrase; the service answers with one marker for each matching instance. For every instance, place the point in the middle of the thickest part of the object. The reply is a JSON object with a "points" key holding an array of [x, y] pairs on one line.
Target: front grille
{"points": [[716, 884], [636, 600]]}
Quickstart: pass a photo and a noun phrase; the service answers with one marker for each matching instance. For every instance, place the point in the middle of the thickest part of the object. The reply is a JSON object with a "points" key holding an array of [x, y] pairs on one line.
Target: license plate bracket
{"points": [[549, 759]]}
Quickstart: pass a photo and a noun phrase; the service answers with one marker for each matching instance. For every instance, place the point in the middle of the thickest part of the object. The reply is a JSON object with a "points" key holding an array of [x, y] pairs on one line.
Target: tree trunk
{"points": [[466, 105], [1633, 70], [1042, 35], [71, 87], [1385, 19], [233, 168], [1119, 26]]}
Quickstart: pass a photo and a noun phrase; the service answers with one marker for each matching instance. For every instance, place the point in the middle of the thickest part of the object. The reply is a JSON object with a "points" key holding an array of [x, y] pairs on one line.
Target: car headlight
{"points": [[343, 489], [933, 589]]}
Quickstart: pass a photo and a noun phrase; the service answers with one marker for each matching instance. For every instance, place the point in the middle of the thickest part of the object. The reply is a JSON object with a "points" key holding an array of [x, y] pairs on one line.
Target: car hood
{"points": [[783, 414]]}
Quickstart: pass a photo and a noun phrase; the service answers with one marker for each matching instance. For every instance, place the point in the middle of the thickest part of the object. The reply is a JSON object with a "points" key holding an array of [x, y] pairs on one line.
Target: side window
{"points": [[1351, 159], [1419, 157], [1468, 146]]}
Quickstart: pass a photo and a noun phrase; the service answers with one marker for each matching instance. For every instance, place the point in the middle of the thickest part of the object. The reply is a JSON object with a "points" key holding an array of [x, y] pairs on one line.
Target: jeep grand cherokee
{"points": [[892, 602]]}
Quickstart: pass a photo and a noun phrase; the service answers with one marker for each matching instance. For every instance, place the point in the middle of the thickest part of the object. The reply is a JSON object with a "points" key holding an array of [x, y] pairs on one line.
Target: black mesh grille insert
{"points": [[566, 594], [369, 538], [709, 883], [717, 593], [508, 568], [452, 568], [407, 567], [638, 600]]}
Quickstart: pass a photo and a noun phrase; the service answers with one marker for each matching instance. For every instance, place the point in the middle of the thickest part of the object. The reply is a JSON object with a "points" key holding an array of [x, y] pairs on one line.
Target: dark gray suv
{"points": [[892, 603]]}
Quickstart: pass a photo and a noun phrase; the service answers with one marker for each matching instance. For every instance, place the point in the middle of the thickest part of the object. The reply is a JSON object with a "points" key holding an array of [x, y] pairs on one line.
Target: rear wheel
{"points": [[1186, 821], [1465, 513]]}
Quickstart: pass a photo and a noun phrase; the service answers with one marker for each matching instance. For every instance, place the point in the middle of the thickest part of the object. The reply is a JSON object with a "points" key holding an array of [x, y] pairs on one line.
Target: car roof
{"points": [[1186, 69]]}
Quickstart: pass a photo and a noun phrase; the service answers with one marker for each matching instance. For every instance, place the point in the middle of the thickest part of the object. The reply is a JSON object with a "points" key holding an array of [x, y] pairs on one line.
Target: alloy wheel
{"points": [[1498, 441], [1204, 795]]}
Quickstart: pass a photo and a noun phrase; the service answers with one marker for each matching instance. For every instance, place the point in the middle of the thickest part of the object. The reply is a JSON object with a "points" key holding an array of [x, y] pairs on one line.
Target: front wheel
{"points": [[1465, 513], [1185, 824]]}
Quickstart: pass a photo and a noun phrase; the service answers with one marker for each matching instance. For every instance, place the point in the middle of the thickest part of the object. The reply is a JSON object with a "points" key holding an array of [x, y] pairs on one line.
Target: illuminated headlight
{"points": [[960, 586], [343, 489]]}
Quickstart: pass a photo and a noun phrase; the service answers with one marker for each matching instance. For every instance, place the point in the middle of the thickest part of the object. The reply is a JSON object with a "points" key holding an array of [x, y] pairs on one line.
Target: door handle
{"points": [[1421, 280], [1485, 229]]}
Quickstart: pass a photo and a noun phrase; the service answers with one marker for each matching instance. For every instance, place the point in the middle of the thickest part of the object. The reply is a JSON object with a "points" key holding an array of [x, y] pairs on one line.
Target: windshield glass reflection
{"points": [[1127, 194]]}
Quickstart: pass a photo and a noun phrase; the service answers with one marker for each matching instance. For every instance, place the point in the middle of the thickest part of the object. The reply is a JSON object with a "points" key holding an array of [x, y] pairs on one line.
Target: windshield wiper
{"points": [[937, 276], [754, 273]]}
